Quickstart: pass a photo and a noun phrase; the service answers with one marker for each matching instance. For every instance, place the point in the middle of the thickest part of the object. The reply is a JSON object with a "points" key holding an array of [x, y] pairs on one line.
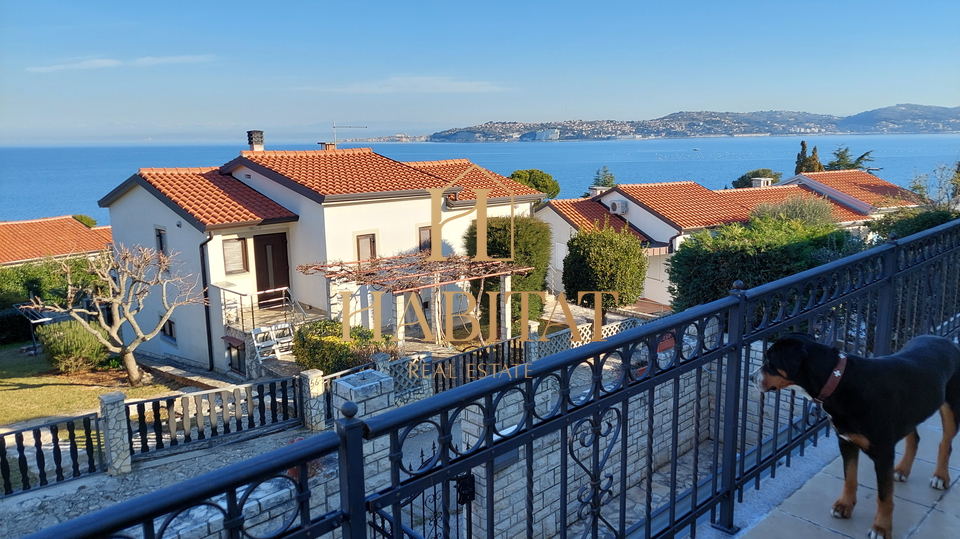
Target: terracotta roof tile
{"points": [[688, 204], [341, 172], [213, 198], [475, 177], [750, 197], [586, 214], [866, 187], [53, 236]]}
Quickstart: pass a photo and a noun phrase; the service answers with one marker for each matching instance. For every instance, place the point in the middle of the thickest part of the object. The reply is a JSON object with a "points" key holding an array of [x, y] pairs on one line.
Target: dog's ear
{"points": [[788, 354]]}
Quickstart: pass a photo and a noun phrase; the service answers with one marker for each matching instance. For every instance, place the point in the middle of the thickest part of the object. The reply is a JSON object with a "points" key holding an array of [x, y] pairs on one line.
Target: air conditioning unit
{"points": [[618, 207]]}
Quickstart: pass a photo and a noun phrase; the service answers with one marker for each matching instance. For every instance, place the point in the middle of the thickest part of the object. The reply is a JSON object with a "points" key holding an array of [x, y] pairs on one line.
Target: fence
{"points": [[168, 422], [50, 453], [577, 443], [455, 371]]}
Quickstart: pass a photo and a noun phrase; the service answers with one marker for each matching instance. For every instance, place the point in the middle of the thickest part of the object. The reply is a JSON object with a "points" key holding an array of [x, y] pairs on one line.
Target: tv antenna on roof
{"points": [[343, 127]]}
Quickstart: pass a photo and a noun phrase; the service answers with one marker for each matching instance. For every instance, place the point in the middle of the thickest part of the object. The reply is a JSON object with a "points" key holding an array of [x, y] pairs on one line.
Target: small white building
{"points": [[243, 229]]}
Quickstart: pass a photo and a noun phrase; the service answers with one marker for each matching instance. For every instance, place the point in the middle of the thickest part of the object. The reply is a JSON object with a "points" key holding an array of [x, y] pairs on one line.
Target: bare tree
{"points": [[122, 281]]}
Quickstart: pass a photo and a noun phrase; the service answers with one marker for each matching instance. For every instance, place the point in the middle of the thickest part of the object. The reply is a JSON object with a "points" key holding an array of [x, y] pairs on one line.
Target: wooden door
{"points": [[273, 270]]}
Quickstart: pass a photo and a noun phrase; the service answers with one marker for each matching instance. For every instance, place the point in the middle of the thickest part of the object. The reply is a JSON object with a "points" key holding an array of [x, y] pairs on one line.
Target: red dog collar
{"points": [[834, 379]]}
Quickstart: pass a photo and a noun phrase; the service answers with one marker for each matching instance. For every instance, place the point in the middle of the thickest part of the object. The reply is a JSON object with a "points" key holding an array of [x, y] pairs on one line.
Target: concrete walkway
{"points": [[920, 512]]}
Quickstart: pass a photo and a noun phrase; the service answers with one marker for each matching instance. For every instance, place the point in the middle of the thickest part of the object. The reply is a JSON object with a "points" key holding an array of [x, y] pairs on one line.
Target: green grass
{"points": [[30, 389]]}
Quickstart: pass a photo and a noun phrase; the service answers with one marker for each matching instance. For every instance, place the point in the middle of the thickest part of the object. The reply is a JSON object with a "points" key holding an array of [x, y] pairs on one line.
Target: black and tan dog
{"points": [[873, 404]]}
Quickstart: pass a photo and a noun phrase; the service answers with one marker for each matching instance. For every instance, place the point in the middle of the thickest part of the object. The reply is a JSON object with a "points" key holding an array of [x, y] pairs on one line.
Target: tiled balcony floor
{"points": [[920, 512]]}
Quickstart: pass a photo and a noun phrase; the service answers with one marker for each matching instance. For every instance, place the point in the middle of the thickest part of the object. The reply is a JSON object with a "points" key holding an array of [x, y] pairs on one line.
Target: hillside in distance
{"points": [[901, 119]]}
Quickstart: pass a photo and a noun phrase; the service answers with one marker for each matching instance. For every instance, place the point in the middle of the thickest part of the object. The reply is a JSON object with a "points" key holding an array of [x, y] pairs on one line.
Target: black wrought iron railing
{"points": [[168, 422], [622, 438], [50, 453], [455, 371]]}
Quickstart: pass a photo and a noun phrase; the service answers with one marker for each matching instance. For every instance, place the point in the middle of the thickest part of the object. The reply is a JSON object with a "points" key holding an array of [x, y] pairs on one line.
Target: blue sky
{"points": [[207, 71]]}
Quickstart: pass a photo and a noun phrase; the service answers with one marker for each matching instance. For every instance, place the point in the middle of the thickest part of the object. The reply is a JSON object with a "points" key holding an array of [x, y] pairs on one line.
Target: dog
{"points": [[873, 404]]}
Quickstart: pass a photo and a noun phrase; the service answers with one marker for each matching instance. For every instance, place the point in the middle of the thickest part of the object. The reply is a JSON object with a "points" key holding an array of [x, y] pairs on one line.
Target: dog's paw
{"points": [[939, 483], [876, 533], [897, 476], [842, 509]]}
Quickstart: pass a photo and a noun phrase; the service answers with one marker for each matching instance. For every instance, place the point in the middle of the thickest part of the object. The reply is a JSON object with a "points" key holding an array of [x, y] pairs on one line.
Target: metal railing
{"points": [[50, 453], [614, 438], [242, 310], [168, 422], [455, 371]]}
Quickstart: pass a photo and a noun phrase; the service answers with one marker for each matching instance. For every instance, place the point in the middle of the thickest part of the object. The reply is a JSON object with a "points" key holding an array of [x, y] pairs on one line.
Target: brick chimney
{"points": [[255, 140], [328, 145], [762, 182]]}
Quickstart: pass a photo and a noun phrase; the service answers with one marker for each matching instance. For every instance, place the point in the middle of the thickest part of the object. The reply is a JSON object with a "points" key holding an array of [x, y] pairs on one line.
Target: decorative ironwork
{"points": [[645, 434]]}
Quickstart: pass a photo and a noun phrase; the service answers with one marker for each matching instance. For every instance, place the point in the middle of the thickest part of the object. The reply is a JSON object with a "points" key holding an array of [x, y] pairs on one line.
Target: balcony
{"points": [[621, 438]]}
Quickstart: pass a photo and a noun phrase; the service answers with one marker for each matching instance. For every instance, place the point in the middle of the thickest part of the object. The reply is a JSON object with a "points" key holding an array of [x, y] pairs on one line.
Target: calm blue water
{"points": [[42, 182]]}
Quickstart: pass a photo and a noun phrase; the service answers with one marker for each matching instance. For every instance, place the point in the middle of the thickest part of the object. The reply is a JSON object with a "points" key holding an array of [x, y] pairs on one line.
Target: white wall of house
{"points": [[560, 232], [655, 286], [653, 226], [135, 216], [305, 238]]}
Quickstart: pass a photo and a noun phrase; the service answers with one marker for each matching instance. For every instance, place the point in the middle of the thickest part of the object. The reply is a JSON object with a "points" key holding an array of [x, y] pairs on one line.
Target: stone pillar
{"points": [[371, 390], [116, 441], [505, 308], [531, 348], [314, 410], [382, 362], [400, 330], [426, 373]]}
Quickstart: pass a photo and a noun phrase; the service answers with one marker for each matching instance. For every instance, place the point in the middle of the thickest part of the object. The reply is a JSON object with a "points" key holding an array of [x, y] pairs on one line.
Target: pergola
{"points": [[414, 272]]}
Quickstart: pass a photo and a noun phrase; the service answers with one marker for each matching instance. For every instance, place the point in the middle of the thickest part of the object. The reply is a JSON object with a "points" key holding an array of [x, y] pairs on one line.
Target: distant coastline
{"points": [[898, 119]]}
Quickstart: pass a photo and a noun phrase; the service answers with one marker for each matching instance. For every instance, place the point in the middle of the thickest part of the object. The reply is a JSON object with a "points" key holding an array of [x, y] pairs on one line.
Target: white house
{"points": [[667, 213], [243, 228]]}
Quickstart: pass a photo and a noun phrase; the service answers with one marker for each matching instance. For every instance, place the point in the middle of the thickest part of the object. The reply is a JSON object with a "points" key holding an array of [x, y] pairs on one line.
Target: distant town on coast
{"points": [[897, 119]]}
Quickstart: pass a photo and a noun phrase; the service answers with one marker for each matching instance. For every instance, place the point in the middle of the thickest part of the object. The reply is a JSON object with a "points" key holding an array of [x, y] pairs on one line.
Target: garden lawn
{"points": [[30, 389]]}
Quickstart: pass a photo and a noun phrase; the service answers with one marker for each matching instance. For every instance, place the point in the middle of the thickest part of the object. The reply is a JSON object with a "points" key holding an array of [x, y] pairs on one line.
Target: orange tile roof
{"points": [[686, 204], [475, 177], [586, 214], [750, 197], [21, 241], [341, 172], [213, 198], [866, 187]]}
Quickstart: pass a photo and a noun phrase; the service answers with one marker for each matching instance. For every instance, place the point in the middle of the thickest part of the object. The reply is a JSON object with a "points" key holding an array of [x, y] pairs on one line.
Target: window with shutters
{"points": [[235, 256], [366, 246]]}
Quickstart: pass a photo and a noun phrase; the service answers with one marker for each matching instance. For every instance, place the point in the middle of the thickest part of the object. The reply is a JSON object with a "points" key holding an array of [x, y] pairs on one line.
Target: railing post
{"points": [[116, 437], [313, 405], [886, 300], [731, 409], [352, 481], [531, 348]]}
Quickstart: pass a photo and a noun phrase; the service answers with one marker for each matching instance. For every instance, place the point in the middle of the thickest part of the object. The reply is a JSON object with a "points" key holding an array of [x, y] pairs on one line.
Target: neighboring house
{"points": [[243, 229], [667, 213], [57, 237]]}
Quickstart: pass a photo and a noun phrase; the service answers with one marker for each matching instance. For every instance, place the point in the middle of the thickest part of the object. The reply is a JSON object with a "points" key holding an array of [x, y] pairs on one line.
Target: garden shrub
{"points": [[71, 348], [531, 249], [320, 345], [907, 221]]}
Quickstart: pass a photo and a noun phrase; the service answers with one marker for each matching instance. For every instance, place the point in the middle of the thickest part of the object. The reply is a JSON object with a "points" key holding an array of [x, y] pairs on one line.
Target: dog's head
{"points": [[782, 362]]}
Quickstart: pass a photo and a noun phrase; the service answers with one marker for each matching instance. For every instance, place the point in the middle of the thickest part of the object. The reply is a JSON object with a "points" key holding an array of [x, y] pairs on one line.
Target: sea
{"points": [[50, 181]]}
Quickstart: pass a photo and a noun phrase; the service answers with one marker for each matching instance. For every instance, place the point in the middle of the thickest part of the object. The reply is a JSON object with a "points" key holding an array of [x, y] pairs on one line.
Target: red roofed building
{"points": [[244, 227], [666, 213], [58, 237]]}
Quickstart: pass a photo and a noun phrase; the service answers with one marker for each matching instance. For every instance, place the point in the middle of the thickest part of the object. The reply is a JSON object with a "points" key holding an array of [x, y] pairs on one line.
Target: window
{"points": [[161, 240], [424, 238], [366, 246], [235, 256], [169, 330]]}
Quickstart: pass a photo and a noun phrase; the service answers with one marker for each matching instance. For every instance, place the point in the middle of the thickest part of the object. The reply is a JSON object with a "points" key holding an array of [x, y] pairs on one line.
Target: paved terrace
{"points": [[920, 512]]}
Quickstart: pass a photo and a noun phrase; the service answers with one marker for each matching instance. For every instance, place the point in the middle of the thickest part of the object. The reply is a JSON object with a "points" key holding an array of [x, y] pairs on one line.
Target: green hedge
{"points": [[320, 345], [706, 265], [909, 221], [531, 249]]}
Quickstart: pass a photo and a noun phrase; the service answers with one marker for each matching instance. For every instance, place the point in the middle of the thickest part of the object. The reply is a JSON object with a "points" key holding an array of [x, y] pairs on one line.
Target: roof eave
{"points": [[379, 195], [497, 200], [259, 222], [137, 179]]}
